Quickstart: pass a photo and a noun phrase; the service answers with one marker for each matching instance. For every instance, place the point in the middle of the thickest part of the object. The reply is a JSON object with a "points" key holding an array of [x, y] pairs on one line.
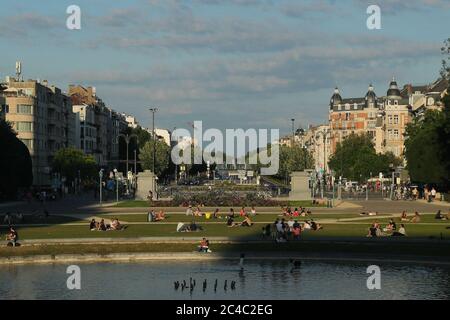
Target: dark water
{"points": [[260, 280]]}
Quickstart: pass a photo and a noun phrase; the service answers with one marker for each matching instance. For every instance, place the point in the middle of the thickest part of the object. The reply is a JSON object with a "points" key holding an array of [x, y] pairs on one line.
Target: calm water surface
{"points": [[260, 280]]}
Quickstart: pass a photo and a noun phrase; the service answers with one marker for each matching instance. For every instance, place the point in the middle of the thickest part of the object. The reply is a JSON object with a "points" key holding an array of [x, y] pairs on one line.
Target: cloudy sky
{"points": [[230, 63]]}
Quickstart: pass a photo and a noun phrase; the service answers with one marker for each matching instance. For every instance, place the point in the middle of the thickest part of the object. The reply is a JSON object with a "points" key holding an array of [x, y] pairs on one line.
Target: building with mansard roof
{"points": [[384, 118]]}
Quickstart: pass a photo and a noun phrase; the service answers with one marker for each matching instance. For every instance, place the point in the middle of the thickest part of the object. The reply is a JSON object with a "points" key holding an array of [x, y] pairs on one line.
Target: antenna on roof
{"points": [[18, 70]]}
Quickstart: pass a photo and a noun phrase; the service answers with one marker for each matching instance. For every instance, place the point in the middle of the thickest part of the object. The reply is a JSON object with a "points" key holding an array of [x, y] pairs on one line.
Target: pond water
{"points": [[259, 280]]}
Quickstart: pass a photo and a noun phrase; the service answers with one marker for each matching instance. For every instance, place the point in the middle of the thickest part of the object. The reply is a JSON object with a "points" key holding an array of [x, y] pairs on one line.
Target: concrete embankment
{"points": [[195, 256]]}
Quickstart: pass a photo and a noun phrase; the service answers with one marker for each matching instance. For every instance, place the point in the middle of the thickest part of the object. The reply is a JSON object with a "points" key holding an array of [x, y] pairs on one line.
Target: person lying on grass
{"points": [[192, 227], [246, 223]]}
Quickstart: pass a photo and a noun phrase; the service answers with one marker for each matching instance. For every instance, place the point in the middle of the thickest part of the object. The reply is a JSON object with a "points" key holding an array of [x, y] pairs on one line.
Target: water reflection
{"points": [[258, 280]]}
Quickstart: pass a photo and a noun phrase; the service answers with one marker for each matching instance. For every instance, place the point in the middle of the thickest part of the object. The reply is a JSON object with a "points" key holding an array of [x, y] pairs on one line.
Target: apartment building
{"points": [[383, 118], [99, 126], [42, 116]]}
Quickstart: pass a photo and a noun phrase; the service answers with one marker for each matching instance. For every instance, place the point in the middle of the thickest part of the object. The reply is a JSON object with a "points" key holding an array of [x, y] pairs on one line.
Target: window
{"points": [[396, 119], [24, 126], [396, 134], [24, 108], [390, 119]]}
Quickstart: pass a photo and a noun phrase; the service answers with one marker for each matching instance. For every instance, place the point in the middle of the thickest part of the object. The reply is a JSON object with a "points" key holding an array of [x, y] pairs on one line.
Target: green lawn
{"points": [[257, 218], [165, 230]]}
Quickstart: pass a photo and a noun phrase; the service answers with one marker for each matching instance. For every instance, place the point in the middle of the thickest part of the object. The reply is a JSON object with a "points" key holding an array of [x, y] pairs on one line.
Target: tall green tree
{"points": [[15, 162], [162, 152], [428, 138], [356, 159], [70, 162], [423, 151], [294, 159]]}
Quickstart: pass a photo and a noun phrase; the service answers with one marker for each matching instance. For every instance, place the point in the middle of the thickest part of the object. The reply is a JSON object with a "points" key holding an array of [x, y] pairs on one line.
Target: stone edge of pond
{"points": [[195, 256]]}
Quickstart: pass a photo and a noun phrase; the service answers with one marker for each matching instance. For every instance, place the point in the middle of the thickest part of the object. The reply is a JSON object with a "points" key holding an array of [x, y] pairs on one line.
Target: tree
{"points": [[15, 162], [71, 162], [356, 159], [423, 149], [162, 151], [294, 159], [428, 138]]}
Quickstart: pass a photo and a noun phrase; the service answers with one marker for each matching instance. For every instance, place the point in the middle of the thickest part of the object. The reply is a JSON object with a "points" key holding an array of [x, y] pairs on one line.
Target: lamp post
{"points": [[100, 175], [117, 184], [293, 132], [153, 111], [128, 138]]}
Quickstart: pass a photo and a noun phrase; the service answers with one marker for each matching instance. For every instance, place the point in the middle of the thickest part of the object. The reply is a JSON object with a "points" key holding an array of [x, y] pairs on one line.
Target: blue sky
{"points": [[230, 63]]}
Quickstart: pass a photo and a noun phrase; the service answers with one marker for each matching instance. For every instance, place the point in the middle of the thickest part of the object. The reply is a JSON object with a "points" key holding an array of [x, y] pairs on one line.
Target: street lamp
{"points": [[153, 111], [100, 175], [116, 175], [127, 138], [293, 133]]}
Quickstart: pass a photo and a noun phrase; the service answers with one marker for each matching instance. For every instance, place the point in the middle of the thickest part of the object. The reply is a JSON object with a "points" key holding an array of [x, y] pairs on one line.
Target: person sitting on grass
{"points": [[102, 226], [93, 225], [189, 211], [12, 237], [116, 225], [391, 226], [404, 216], [230, 221], [401, 231], [216, 214], [296, 213], [242, 213], [231, 213], [315, 226], [253, 212], [306, 225], [440, 216], [247, 222], [416, 218], [198, 212], [204, 246], [373, 231], [160, 215]]}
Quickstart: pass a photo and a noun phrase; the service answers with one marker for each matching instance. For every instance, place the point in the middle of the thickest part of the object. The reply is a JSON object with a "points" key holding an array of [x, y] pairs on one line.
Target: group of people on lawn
{"points": [[282, 230], [376, 230], [115, 225]]}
